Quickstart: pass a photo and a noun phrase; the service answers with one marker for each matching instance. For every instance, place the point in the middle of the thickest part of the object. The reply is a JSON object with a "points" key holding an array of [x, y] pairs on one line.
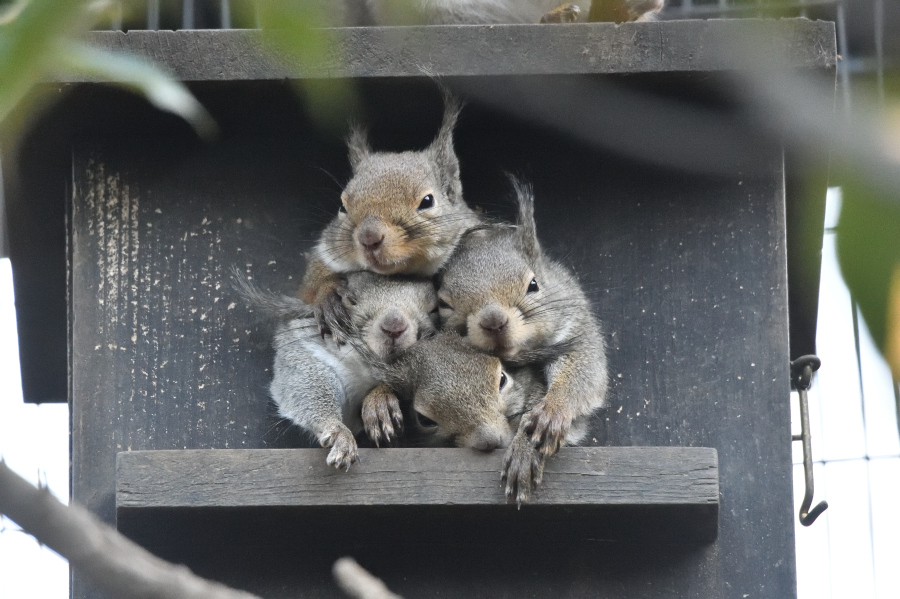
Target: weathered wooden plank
{"points": [[459, 50], [643, 476]]}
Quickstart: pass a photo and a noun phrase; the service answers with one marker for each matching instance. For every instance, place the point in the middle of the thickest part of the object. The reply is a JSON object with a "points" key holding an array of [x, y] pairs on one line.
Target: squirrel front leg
{"points": [[577, 386], [523, 465], [319, 289], [309, 393]]}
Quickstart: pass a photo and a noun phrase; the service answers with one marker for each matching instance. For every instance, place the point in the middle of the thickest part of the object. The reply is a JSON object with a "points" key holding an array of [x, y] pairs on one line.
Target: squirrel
{"points": [[474, 12], [326, 387], [458, 395], [400, 213], [507, 297]]}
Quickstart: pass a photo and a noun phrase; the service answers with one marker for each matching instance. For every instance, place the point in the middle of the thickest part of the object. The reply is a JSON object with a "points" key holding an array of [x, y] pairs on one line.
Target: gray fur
{"points": [[487, 280], [382, 199], [474, 12], [319, 384]]}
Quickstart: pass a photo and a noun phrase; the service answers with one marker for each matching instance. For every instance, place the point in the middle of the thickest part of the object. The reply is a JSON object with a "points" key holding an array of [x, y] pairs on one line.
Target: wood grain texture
{"points": [[299, 477], [667, 46], [687, 273]]}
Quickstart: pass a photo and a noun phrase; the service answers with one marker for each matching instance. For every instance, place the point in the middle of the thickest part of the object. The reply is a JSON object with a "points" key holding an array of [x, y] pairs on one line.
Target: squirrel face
{"points": [[498, 291], [390, 313], [401, 213], [459, 395]]}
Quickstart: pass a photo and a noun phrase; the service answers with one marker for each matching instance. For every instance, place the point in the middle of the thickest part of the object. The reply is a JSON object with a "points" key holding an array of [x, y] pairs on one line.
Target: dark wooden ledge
{"points": [[299, 477], [671, 492], [472, 50]]}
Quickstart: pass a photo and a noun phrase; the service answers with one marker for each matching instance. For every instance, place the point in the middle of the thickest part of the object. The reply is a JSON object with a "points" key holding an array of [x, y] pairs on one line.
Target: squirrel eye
{"points": [[424, 421], [444, 305], [435, 309], [532, 286], [503, 380], [342, 210], [427, 202]]}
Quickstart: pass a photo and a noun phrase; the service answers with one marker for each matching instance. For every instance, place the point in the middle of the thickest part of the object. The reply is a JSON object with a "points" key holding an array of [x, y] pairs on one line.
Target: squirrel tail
{"points": [[273, 304]]}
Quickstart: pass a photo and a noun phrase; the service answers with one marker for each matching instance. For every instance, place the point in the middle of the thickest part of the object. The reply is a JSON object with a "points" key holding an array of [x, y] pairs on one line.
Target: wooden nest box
{"points": [[685, 487]]}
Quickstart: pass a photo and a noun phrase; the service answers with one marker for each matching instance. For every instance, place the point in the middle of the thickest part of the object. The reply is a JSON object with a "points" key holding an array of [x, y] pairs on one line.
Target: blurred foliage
{"points": [[868, 244], [37, 38]]}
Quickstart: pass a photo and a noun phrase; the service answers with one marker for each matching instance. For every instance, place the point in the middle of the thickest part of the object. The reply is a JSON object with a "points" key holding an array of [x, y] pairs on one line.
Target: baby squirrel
{"points": [[502, 292], [327, 387], [457, 394], [473, 12], [401, 213]]}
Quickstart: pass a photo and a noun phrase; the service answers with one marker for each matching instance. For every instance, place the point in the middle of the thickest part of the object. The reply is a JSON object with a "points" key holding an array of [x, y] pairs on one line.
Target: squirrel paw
{"points": [[381, 414], [523, 468], [549, 425], [343, 447], [566, 13]]}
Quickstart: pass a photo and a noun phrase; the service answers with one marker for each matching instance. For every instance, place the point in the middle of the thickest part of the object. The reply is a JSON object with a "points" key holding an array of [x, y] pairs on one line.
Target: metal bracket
{"points": [[802, 370]]}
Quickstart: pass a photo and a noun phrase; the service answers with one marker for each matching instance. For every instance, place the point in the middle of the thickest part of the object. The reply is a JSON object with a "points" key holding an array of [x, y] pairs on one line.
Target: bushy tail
{"points": [[273, 304]]}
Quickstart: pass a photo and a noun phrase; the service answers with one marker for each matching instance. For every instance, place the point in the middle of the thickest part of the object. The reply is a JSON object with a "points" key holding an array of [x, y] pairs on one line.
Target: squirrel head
{"points": [[456, 394], [388, 313], [401, 212], [497, 288]]}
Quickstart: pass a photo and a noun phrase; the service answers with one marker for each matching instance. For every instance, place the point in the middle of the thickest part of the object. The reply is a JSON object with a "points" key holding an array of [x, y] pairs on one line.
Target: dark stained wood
{"points": [[589, 476], [687, 270], [688, 274], [465, 50]]}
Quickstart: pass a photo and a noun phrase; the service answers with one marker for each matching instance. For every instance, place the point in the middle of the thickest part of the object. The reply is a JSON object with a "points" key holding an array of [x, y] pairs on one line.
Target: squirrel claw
{"points": [[381, 414], [344, 451]]}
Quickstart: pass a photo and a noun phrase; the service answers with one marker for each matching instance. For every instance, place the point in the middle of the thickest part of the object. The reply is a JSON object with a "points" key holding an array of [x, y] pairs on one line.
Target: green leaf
{"points": [[27, 40], [161, 89]]}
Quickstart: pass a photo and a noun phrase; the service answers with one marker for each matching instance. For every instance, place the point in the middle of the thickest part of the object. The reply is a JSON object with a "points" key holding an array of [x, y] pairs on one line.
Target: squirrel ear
{"points": [[357, 146], [441, 150], [525, 221]]}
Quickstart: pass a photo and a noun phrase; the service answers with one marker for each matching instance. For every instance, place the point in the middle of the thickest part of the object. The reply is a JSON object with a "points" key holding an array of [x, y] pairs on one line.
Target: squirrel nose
{"points": [[494, 322], [487, 440], [370, 234], [394, 325], [371, 240]]}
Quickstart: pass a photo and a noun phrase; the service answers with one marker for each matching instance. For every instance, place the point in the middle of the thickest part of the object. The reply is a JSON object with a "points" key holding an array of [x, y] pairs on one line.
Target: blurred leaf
{"points": [[300, 32], [160, 88], [868, 244], [892, 343], [27, 41]]}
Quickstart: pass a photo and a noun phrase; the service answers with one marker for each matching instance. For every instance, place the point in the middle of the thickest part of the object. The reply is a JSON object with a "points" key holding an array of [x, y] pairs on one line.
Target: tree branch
{"points": [[356, 582], [107, 559]]}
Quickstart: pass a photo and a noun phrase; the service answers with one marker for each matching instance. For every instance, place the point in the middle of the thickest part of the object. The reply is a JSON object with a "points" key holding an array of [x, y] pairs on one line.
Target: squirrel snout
{"points": [[370, 234], [493, 321], [394, 324], [488, 440]]}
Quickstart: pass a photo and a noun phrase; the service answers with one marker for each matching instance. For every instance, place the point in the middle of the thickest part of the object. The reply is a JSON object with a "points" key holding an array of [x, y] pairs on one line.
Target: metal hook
{"points": [[802, 370]]}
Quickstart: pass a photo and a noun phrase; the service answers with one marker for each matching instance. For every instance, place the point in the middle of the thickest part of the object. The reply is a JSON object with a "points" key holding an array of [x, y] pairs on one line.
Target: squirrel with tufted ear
{"points": [[401, 213], [506, 296]]}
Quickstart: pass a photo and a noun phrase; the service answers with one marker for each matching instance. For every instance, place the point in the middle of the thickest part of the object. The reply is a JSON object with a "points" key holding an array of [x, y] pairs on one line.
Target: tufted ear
{"points": [[441, 150], [357, 146], [527, 230]]}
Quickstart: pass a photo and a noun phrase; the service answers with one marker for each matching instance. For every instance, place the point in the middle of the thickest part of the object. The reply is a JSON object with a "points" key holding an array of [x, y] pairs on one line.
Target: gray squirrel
{"points": [[450, 12], [400, 213], [458, 395], [326, 387], [508, 297]]}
